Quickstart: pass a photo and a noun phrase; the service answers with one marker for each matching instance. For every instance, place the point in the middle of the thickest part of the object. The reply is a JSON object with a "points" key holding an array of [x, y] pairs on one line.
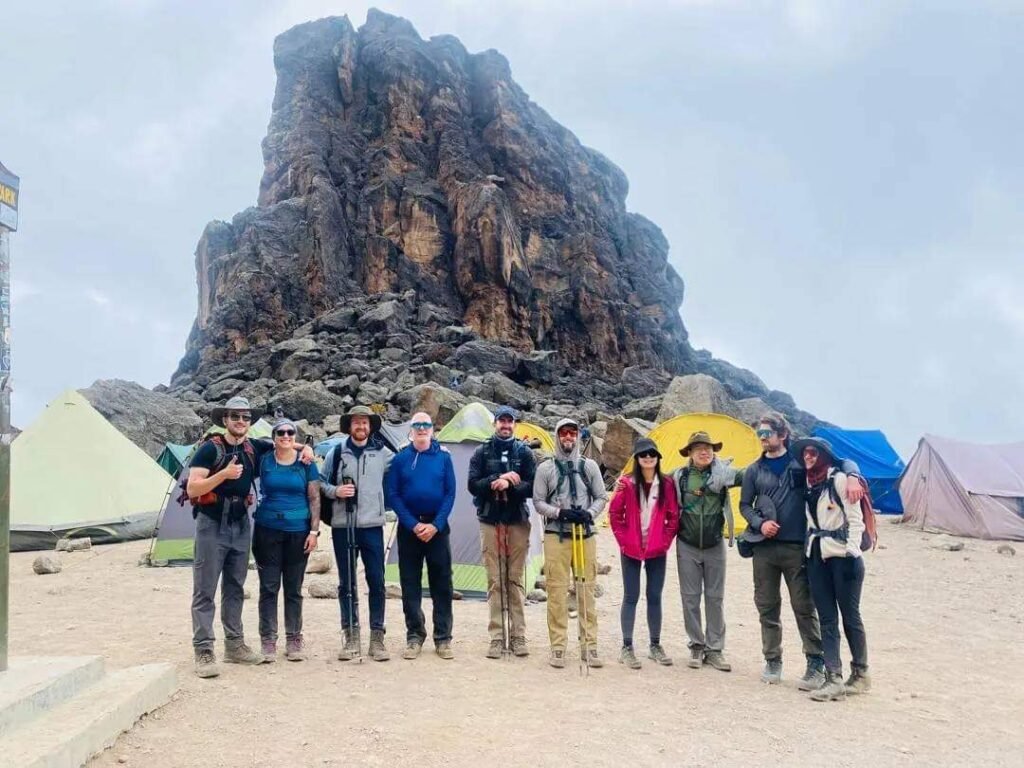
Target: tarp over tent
{"points": [[739, 442], [73, 474], [173, 457], [468, 572], [965, 489], [877, 459]]}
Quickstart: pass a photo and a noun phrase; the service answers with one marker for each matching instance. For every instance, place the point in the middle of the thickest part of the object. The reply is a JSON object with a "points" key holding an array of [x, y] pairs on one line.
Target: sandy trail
{"points": [[944, 633]]}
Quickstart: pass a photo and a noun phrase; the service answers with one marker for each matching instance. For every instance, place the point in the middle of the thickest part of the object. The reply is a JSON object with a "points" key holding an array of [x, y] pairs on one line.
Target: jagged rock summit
{"points": [[419, 221]]}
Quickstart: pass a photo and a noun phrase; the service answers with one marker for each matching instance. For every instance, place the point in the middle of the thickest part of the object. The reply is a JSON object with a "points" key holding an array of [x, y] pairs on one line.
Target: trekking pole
{"points": [[501, 536], [579, 565], [353, 561]]}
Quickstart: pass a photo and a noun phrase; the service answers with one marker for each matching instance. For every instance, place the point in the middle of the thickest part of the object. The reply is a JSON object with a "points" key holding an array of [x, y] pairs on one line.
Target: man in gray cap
{"points": [[353, 475], [221, 480], [501, 481], [569, 493]]}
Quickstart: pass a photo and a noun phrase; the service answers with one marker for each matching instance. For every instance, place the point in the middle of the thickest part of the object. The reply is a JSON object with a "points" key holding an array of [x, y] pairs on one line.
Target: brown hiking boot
{"points": [[628, 657], [716, 660], [593, 660], [696, 658], [444, 650], [494, 649], [519, 647], [351, 647], [377, 650], [295, 649], [242, 654], [858, 682], [557, 659], [412, 649], [268, 648], [657, 653], [832, 690], [206, 664]]}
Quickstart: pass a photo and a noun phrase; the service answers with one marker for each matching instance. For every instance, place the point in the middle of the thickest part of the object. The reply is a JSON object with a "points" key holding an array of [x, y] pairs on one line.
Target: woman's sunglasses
{"points": [[647, 455], [285, 433]]}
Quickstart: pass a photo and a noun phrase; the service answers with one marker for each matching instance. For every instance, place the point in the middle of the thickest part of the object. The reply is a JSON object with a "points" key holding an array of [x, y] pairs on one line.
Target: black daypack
{"points": [[221, 461], [327, 502]]}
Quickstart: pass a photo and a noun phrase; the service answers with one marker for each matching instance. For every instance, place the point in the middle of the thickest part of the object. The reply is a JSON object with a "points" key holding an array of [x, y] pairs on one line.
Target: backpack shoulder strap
{"points": [[335, 465]]}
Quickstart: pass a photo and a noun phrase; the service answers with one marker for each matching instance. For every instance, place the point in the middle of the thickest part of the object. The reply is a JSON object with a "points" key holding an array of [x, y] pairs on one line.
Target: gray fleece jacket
{"points": [[552, 493], [368, 472]]}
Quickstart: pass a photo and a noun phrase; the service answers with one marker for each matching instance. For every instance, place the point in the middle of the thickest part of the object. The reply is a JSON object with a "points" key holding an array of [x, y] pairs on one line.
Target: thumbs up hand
{"points": [[233, 470]]}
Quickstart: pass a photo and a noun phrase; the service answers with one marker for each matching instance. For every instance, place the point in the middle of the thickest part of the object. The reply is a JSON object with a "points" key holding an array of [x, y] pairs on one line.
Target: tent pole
{"points": [[5, 440]]}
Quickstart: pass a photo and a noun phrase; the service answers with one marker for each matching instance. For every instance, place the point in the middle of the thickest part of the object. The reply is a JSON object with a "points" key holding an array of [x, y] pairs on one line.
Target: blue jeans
{"points": [[836, 586], [369, 545]]}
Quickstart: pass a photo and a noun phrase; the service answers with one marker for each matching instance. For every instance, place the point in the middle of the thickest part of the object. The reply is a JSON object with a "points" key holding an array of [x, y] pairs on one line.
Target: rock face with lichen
{"points": [[420, 220]]}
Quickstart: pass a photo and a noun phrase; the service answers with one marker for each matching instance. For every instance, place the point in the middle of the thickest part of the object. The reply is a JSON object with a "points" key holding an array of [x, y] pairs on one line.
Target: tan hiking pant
{"points": [[557, 569], [518, 546]]}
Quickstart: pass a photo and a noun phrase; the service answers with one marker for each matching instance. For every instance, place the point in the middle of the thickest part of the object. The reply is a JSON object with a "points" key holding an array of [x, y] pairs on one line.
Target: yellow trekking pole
{"points": [[579, 568]]}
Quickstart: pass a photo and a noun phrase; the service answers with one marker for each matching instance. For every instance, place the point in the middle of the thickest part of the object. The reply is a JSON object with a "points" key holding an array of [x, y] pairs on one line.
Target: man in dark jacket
{"points": [[773, 504], [421, 489], [501, 481]]}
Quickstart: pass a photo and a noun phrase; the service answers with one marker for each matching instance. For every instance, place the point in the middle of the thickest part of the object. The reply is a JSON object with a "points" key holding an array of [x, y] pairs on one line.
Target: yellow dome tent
{"points": [[527, 431], [739, 442]]}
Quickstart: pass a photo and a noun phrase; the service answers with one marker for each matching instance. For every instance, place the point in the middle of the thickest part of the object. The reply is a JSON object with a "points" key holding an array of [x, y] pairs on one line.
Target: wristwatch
{"points": [[316, 533]]}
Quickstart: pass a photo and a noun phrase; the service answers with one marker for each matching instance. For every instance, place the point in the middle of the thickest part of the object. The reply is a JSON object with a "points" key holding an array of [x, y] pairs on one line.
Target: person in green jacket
{"points": [[702, 488]]}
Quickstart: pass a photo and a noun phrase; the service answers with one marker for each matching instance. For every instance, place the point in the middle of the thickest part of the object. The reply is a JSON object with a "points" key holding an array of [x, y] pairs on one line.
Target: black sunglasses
{"points": [[285, 433], [240, 416], [647, 455]]}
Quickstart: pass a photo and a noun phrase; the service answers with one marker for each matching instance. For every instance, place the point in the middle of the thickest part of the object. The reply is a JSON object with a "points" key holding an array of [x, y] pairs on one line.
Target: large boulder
{"points": [[644, 408], [750, 409], [639, 382], [149, 419], [439, 402], [486, 356], [620, 435], [309, 400], [697, 393]]}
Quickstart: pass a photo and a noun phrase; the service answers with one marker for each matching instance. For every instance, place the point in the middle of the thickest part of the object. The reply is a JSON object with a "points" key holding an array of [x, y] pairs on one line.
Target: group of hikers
{"points": [[801, 503]]}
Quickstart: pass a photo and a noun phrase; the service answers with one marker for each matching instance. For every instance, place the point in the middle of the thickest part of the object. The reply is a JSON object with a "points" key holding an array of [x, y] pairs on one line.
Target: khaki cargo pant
{"points": [[557, 570], [518, 545]]}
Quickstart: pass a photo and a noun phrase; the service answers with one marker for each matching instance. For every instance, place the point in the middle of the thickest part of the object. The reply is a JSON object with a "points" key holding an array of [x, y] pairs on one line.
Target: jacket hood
{"points": [[434, 446], [560, 453]]}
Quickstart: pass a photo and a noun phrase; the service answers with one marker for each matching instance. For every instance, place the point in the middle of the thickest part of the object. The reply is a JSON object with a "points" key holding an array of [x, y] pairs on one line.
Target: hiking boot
{"points": [[696, 658], [832, 690], [412, 649], [859, 681], [351, 647], [557, 659], [494, 649], [573, 613], [206, 664], [772, 672], [628, 657], [242, 654], [593, 660], [444, 650], [716, 660], [519, 647], [268, 648], [657, 653], [813, 678], [377, 650], [295, 649]]}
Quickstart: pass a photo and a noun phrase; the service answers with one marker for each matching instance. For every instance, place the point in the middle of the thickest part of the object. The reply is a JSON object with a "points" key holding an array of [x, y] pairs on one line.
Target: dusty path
{"points": [[944, 630]]}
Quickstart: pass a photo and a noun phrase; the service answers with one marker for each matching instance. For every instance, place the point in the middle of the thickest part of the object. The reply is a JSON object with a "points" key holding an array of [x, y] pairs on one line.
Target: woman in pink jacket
{"points": [[644, 515]]}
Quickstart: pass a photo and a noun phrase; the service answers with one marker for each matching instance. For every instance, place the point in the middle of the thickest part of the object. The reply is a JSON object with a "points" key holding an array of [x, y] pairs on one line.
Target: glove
{"points": [[583, 517], [566, 515]]}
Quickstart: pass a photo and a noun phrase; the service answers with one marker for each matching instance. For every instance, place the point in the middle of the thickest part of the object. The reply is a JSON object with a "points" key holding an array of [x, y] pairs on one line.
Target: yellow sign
{"points": [[9, 196]]}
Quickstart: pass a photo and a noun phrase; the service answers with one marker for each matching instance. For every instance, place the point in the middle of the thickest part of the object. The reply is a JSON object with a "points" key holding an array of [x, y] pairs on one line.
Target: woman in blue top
{"points": [[287, 524]]}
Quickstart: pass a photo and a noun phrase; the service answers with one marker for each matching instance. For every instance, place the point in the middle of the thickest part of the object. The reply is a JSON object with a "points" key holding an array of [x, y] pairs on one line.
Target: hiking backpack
{"points": [[868, 539], [221, 461]]}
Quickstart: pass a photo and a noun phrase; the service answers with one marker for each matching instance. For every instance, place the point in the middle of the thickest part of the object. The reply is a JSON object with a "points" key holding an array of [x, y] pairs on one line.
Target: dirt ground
{"points": [[944, 633]]}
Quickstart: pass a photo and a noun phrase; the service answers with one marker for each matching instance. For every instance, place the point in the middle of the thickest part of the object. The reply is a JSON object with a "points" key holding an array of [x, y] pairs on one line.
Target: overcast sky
{"points": [[841, 182]]}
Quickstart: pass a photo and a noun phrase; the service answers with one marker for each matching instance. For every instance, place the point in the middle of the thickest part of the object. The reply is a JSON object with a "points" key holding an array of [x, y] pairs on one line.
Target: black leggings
{"points": [[631, 596]]}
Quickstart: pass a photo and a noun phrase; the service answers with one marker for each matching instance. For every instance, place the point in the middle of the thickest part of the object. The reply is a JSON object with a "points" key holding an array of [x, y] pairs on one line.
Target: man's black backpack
{"points": [[331, 475]]}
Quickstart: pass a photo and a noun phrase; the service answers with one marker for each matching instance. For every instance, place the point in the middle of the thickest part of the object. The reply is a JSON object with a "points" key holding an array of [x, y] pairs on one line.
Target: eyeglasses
{"points": [[647, 455], [240, 416], [422, 425], [765, 433], [285, 433]]}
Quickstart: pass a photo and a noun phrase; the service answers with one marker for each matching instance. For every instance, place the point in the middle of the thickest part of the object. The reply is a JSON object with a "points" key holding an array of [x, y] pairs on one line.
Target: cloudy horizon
{"points": [[840, 185]]}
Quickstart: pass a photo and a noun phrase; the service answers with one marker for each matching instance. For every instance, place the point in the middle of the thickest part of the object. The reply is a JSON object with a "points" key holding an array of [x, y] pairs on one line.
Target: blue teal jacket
{"points": [[421, 486]]}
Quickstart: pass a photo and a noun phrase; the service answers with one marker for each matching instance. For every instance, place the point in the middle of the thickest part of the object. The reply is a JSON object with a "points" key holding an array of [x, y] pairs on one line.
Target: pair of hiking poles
{"points": [[579, 571], [504, 556], [352, 550]]}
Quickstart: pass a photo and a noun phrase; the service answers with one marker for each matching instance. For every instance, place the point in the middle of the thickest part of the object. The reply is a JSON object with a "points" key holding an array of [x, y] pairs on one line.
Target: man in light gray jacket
{"points": [[569, 491], [353, 475]]}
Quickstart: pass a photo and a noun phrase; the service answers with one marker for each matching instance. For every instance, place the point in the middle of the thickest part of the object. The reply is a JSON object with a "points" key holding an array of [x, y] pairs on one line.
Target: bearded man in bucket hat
{"points": [[221, 481], [702, 488], [353, 475]]}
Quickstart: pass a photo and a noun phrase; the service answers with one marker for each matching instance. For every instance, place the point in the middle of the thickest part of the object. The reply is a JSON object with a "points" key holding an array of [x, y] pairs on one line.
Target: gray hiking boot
{"points": [[657, 653], [444, 650], [377, 650], [696, 658], [716, 660], [494, 649], [351, 647], [206, 664], [557, 659], [814, 677], [593, 660], [413, 648], [268, 648], [858, 682], [241, 653], [832, 690], [295, 649], [628, 657], [519, 647], [772, 672]]}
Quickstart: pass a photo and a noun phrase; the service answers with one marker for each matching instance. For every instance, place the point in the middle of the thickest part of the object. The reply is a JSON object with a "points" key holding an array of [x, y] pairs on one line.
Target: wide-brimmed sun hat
{"points": [[236, 403], [361, 410], [697, 438]]}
